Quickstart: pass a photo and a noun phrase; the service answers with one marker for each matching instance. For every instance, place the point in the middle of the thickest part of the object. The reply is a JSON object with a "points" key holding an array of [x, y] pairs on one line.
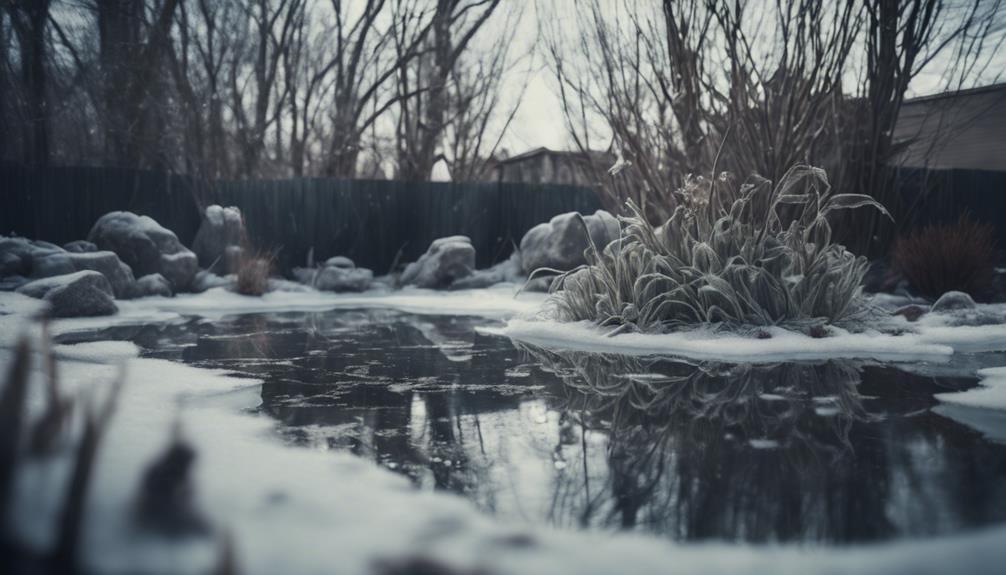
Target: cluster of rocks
{"points": [[558, 244], [125, 256]]}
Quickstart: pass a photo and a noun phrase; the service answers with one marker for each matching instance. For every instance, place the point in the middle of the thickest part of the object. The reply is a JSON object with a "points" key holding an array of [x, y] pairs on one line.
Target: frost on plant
{"points": [[757, 255]]}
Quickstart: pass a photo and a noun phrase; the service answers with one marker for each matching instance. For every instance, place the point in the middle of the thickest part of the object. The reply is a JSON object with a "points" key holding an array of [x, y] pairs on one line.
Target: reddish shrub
{"points": [[940, 258], [253, 273]]}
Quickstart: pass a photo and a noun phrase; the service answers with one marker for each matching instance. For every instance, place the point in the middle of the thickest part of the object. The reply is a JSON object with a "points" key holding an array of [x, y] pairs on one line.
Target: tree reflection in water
{"points": [[826, 452], [774, 452]]}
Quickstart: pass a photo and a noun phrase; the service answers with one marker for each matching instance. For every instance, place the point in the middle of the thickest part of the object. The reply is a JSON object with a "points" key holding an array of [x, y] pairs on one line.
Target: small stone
{"points": [[911, 312], [153, 284], [818, 332], [953, 301]]}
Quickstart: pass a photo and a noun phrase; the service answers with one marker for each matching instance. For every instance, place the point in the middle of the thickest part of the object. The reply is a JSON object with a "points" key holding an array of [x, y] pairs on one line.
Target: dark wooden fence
{"points": [[372, 221], [941, 196], [369, 221]]}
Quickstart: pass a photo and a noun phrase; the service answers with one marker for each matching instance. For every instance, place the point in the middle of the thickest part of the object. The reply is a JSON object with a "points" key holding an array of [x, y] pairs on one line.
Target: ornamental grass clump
{"points": [[960, 256], [754, 255]]}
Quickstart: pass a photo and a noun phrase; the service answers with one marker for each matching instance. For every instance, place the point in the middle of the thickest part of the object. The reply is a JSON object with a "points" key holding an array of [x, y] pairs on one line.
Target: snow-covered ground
{"points": [[295, 510], [933, 338]]}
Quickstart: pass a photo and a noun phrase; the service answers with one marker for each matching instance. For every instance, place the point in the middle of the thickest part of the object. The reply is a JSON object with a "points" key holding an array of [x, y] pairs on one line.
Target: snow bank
{"points": [[990, 394], [932, 339], [497, 301], [707, 345]]}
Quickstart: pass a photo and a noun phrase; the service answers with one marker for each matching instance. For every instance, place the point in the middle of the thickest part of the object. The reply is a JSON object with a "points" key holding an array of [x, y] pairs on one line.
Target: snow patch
{"points": [[990, 394], [708, 345]]}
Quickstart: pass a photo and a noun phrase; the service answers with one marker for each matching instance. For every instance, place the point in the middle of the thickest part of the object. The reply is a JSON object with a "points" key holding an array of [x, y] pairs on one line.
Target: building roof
{"points": [[534, 152], [963, 129]]}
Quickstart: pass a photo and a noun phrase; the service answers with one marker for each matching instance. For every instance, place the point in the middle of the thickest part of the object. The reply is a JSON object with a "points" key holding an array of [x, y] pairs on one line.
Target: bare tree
{"points": [[701, 86], [425, 88], [29, 21], [131, 51]]}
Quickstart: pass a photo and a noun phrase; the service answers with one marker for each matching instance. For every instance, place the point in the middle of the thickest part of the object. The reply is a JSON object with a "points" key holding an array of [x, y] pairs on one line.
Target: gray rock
{"points": [[37, 260], [52, 264], [180, 269], [153, 284], [146, 247], [11, 283], [341, 279], [109, 265], [205, 280], [305, 275], [221, 228], [339, 262], [560, 243], [80, 247], [10, 264], [119, 275], [17, 255], [506, 271], [446, 261], [84, 293], [953, 301], [911, 312]]}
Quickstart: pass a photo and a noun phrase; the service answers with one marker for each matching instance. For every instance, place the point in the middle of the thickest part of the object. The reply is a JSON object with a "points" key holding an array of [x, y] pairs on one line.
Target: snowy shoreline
{"points": [[336, 509]]}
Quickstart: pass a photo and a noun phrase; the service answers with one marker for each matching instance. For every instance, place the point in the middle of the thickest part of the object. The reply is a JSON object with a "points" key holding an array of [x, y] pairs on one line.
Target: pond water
{"points": [[828, 452]]}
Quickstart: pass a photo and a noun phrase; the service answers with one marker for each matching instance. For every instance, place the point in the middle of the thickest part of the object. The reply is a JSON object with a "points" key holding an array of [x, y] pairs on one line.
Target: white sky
{"points": [[539, 120]]}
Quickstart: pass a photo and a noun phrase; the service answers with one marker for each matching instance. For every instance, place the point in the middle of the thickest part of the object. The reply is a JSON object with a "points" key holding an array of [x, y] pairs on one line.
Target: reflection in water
{"points": [[831, 452], [752, 452]]}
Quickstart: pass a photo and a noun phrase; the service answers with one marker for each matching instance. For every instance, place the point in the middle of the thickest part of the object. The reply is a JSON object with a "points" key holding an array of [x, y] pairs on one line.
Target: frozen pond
{"points": [[828, 452]]}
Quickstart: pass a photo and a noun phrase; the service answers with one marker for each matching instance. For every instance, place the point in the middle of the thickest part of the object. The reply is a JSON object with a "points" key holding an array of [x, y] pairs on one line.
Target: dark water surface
{"points": [[827, 452]]}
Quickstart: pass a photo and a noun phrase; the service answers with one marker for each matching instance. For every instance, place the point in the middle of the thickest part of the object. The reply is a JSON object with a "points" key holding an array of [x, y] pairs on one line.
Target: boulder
{"points": [[446, 261], [18, 254], [52, 264], [146, 247], [953, 301], [37, 260], [218, 242], [180, 269], [339, 274], [84, 293], [119, 275], [80, 247], [153, 284], [506, 271], [560, 243]]}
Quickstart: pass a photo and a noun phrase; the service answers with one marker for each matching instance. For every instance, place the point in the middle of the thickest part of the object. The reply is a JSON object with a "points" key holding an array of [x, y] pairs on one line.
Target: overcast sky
{"points": [[539, 120]]}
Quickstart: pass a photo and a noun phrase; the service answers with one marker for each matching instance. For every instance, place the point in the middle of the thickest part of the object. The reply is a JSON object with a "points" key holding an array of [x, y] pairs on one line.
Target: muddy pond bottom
{"points": [[828, 452]]}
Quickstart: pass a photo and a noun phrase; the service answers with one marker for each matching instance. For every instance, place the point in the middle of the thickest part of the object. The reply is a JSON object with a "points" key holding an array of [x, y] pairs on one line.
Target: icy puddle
{"points": [[826, 452]]}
